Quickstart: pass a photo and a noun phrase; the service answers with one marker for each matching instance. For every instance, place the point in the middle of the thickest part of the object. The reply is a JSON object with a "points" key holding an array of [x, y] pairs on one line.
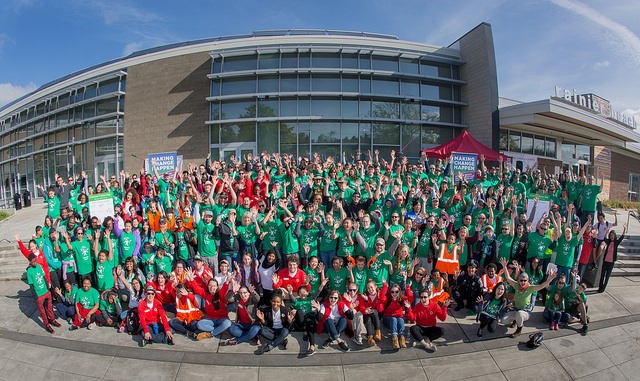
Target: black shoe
{"points": [[73, 327], [49, 329], [55, 323], [327, 343], [517, 333], [343, 345], [263, 349], [585, 330], [284, 343], [192, 335], [170, 341], [311, 352], [479, 334]]}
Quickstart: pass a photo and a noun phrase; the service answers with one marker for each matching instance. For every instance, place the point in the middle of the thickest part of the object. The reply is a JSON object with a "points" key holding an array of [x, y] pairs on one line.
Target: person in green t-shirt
{"points": [[81, 249], [315, 274], [110, 310], [338, 275], [523, 302], [589, 198], [37, 279], [566, 247], [104, 264], [87, 303], [358, 273]]}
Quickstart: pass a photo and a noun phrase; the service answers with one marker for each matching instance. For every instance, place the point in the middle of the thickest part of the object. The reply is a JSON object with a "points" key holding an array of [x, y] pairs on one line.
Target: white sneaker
{"points": [[91, 326], [358, 340], [431, 347]]}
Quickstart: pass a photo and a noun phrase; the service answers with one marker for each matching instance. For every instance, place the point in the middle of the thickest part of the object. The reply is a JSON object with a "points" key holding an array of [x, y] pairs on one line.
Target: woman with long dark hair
{"points": [[610, 253]]}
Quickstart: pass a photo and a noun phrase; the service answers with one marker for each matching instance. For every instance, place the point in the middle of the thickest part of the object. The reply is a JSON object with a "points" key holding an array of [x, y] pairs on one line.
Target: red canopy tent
{"points": [[464, 143]]}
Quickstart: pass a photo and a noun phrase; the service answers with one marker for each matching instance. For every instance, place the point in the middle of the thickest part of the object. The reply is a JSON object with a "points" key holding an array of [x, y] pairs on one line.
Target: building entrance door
{"points": [[237, 150]]}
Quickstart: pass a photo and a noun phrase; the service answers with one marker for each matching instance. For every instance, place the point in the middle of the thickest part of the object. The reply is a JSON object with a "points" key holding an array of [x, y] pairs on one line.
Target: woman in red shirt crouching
{"points": [[425, 313], [394, 315]]}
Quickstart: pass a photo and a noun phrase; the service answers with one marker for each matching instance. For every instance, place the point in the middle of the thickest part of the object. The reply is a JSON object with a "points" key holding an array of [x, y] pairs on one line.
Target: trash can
{"points": [[17, 201], [26, 199]]}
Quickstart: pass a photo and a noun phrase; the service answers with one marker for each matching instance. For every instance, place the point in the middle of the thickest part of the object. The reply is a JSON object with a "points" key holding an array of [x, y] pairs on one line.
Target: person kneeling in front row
{"points": [[153, 320]]}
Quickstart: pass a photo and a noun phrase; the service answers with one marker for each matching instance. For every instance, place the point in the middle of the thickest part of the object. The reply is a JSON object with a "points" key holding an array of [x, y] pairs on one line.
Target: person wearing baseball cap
{"points": [[153, 319], [467, 286]]}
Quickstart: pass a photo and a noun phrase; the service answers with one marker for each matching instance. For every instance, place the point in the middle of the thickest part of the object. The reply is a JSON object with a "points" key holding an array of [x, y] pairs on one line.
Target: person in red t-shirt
{"points": [[425, 314], [291, 276]]}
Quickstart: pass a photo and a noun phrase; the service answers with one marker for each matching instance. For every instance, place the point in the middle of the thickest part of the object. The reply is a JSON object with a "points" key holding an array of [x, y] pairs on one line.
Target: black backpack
{"points": [[131, 322], [535, 340]]}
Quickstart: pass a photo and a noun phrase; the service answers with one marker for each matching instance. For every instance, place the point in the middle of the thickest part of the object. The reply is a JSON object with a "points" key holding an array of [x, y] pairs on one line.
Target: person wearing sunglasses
{"points": [[524, 299], [333, 318], [425, 314], [153, 320], [396, 308], [354, 301]]}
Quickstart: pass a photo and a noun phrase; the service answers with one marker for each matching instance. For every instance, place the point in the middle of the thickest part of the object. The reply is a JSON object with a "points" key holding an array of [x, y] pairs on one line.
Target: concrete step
{"points": [[625, 272], [7, 261], [628, 257], [629, 249], [9, 277], [13, 269], [626, 264]]}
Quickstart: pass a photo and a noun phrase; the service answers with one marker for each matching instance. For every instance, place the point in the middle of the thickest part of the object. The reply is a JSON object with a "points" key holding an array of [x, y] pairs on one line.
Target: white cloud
{"points": [[10, 92], [114, 12], [628, 42], [4, 39], [132, 47], [600, 65]]}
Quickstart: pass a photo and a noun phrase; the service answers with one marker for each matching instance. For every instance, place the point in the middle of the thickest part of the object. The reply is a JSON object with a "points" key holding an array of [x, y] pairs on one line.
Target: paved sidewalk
{"points": [[611, 350]]}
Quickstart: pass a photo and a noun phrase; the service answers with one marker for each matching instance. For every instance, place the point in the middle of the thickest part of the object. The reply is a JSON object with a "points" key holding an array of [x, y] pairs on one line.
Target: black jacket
{"points": [[268, 317], [224, 232]]}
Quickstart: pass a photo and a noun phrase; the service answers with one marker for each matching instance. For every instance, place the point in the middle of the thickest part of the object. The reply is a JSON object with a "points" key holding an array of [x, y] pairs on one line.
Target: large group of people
{"points": [[259, 246]]}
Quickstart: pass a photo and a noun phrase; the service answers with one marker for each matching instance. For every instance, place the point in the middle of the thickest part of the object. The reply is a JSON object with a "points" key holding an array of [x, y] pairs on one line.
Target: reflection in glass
{"points": [[237, 132], [325, 132]]}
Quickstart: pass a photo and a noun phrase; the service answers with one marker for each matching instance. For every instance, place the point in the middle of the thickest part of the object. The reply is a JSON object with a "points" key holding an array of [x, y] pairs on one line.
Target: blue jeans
{"points": [[563, 270], [326, 257], [182, 327], [395, 325], [555, 316], [159, 337], [230, 257], [214, 326], [244, 331], [335, 327], [66, 312]]}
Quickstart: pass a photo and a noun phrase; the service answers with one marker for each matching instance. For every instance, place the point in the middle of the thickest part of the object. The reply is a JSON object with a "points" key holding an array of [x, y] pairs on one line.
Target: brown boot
{"points": [[370, 341], [403, 343], [396, 345], [378, 335]]}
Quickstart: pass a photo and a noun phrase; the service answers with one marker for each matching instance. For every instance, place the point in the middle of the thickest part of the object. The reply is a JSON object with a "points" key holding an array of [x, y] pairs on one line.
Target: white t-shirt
{"points": [[265, 277], [277, 322], [602, 229], [334, 315]]}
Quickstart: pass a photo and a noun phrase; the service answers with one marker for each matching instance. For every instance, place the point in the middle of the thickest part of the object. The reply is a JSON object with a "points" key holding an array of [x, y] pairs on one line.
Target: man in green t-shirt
{"points": [[37, 279], [87, 304], [588, 199]]}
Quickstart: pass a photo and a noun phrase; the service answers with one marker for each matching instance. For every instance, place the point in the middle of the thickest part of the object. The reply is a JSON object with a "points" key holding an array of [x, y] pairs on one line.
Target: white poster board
{"points": [[101, 206], [544, 202]]}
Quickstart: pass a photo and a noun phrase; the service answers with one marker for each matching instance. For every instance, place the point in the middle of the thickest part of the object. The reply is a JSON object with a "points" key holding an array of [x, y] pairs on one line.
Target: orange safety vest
{"points": [[448, 261], [487, 284], [179, 279], [154, 221], [188, 311], [437, 291]]}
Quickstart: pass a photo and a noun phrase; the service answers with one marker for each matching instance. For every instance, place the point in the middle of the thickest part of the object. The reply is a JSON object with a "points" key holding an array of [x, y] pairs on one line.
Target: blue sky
{"points": [[590, 45]]}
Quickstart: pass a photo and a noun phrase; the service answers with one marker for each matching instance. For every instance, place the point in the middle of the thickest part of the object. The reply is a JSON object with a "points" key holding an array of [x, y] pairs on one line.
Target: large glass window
{"points": [[550, 147], [410, 88], [350, 133], [409, 65], [365, 109], [107, 106], [325, 107], [386, 110], [385, 86], [239, 63], [88, 111], [325, 132], [349, 108], [385, 63], [215, 88], [268, 84], [215, 110], [350, 61], [106, 127], [268, 137], [411, 139], [267, 107], [527, 143], [304, 148], [304, 60], [304, 83], [350, 84], [410, 110], [429, 91], [365, 61], [288, 83], [238, 110], [238, 133], [238, 86], [288, 107], [289, 60], [90, 92], [430, 113], [365, 137], [538, 146], [268, 61], [386, 133], [365, 85], [109, 86], [428, 69], [325, 60], [325, 83]]}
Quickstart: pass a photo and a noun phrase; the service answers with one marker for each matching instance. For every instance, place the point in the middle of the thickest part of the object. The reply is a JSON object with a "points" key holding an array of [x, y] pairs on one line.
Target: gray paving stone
{"points": [[56, 375], [493, 377], [16, 310], [626, 296], [301, 373], [630, 369], [552, 371], [513, 358], [13, 370], [570, 345], [611, 374], [35, 354], [3, 361], [7, 347], [584, 364], [633, 329], [193, 372], [121, 369], [609, 336], [405, 370], [84, 364], [460, 366], [604, 306], [622, 352]]}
